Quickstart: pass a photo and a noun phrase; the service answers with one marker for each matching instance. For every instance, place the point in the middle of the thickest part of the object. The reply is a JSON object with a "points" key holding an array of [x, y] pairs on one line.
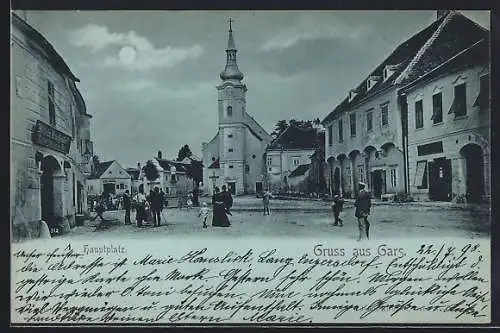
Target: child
{"points": [[204, 214]]}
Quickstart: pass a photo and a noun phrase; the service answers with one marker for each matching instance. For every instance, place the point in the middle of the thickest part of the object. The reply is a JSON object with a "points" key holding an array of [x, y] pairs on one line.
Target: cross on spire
{"points": [[230, 21]]}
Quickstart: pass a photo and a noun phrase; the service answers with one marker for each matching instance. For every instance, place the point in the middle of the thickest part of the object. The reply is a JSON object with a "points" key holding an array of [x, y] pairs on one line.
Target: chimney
{"points": [[159, 154], [441, 13]]}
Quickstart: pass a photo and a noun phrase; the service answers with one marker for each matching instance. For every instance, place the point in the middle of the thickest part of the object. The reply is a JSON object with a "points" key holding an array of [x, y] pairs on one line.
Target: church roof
{"points": [[300, 170], [215, 164], [424, 51], [298, 138]]}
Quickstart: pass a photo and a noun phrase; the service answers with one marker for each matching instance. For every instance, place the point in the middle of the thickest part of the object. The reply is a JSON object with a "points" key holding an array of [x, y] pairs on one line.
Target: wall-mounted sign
{"points": [[47, 136], [430, 148]]}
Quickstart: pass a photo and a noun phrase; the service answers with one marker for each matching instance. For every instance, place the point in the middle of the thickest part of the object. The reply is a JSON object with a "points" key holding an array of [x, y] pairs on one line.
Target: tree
{"points": [[150, 171], [195, 171], [279, 128], [184, 152]]}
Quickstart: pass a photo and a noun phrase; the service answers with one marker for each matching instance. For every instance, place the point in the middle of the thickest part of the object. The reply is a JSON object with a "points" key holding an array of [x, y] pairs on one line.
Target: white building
{"points": [[109, 178], [50, 137], [234, 157]]}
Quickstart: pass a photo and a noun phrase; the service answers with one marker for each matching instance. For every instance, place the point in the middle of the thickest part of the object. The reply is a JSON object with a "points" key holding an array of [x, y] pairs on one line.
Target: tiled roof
{"points": [[479, 53], [99, 169], [300, 170], [215, 164], [298, 138], [457, 33], [167, 164]]}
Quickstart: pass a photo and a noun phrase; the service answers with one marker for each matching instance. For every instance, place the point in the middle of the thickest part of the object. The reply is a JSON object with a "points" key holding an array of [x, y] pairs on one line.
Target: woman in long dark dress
{"points": [[219, 218]]}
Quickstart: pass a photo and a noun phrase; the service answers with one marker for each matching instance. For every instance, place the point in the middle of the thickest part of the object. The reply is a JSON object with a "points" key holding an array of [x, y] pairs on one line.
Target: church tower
{"points": [[232, 117]]}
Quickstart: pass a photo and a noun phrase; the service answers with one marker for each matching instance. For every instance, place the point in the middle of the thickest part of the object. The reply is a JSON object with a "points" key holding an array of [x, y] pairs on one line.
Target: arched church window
{"points": [[229, 111]]}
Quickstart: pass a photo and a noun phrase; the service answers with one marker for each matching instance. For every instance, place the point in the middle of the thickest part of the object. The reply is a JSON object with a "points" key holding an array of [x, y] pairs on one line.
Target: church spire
{"points": [[231, 72]]}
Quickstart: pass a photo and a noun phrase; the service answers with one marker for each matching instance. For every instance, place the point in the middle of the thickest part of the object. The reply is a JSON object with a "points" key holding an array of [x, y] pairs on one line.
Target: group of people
{"points": [[362, 204], [147, 207]]}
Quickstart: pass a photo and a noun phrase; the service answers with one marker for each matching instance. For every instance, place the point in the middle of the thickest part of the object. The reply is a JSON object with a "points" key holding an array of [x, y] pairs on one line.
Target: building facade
{"points": [[109, 178], [449, 129], [51, 147], [291, 150], [234, 157], [368, 132]]}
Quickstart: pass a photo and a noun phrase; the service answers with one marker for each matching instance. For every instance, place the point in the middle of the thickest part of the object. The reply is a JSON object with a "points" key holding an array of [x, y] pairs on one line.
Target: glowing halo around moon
{"points": [[127, 55]]}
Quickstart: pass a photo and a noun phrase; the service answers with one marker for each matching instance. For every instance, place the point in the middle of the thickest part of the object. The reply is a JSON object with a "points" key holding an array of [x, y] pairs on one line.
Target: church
{"points": [[235, 156]]}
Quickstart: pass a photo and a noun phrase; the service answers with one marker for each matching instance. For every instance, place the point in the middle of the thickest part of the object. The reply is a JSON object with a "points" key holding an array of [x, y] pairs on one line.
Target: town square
{"points": [[250, 124]]}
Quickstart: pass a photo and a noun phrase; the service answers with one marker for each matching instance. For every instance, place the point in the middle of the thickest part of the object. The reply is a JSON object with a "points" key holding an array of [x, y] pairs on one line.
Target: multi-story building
{"points": [[367, 133], [234, 157], [289, 155], [449, 126], [50, 136]]}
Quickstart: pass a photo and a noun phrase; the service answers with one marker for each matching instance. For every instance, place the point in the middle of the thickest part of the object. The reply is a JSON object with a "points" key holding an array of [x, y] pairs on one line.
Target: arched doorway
{"points": [[336, 181], [50, 169], [473, 172]]}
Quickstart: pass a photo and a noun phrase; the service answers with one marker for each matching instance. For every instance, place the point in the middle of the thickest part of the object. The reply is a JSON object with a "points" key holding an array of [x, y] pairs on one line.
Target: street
{"points": [[305, 219]]}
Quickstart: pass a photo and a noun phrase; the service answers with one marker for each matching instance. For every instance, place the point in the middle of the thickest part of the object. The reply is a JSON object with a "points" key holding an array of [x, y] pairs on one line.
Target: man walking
{"points": [[126, 206], [265, 200], [363, 204], [338, 204]]}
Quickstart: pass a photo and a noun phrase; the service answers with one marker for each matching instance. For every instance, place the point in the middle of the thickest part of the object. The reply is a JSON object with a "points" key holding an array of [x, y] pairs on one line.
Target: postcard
{"points": [[267, 168]]}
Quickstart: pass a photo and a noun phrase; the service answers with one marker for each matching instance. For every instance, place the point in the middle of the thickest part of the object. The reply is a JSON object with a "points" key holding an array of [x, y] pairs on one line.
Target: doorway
{"points": [[336, 181], [79, 198], [474, 172], [50, 168], [258, 187], [109, 188], [440, 179], [232, 187], [379, 184]]}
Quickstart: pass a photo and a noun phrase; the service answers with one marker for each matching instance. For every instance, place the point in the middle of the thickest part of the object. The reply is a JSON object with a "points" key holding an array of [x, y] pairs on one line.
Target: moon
{"points": [[127, 55]]}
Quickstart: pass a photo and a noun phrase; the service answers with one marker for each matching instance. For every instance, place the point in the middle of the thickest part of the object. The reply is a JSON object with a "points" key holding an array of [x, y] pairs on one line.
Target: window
{"points": [[296, 161], [117, 186], [437, 108], [230, 167], [330, 134], [361, 173], [269, 161], [341, 131], [352, 121], [348, 173], [247, 168], [393, 177], [52, 106], [18, 86], [229, 135], [459, 105], [483, 99], [369, 121], [253, 156], [122, 186], [421, 175], [385, 114], [229, 111], [230, 150], [419, 114]]}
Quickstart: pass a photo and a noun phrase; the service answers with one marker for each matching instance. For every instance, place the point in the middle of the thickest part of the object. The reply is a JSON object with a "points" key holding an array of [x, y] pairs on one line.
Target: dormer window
{"points": [[352, 94], [388, 71], [229, 111], [371, 82]]}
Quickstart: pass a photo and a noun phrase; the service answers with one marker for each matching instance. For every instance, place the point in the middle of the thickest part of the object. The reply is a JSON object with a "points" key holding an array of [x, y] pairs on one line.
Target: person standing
{"points": [[140, 215], [338, 204], [363, 204], [162, 201], [196, 196], [265, 200], [227, 198], [126, 206], [219, 218], [156, 207], [204, 214]]}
